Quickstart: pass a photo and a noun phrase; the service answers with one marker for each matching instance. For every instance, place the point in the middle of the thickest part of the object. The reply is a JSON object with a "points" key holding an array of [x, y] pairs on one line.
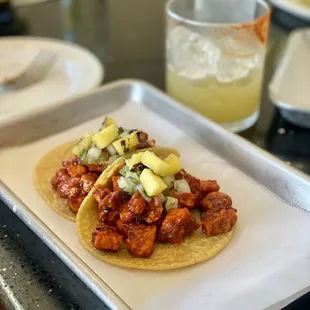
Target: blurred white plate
{"points": [[75, 72], [299, 8], [289, 88], [26, 2]]}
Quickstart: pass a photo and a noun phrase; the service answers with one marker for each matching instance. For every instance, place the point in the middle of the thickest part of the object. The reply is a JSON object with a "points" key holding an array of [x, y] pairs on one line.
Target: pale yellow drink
{"points": [[221, 102]]}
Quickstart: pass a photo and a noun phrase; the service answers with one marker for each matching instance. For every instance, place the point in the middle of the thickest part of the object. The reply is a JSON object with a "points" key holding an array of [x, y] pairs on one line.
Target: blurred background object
{"points": [[10, 24], [215, 60], [289, 87]]}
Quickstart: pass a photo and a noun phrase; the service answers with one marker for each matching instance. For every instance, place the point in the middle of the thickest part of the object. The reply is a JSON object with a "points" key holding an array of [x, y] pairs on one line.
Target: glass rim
{"points": [[191, 22]]}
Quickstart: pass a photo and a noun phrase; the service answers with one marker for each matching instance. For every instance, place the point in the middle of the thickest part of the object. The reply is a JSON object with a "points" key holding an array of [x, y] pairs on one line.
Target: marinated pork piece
{"points": [[74, 160], [69, 188], [153, 210], [75, 203], [141, 240], [100, 193], [106, 238], [88, 181], [136, 204], [209, 186], [76, 170], [95, 168], [178, 224], [186, 200], [115, 183], [109, 216], [219, 220], [122, 228], [126, 216], [213, 200], [113, 201], [60, 175]]}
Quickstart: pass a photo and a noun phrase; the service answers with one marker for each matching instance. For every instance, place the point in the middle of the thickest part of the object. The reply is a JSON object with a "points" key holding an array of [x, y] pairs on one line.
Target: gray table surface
{"points": [[32, 276]]}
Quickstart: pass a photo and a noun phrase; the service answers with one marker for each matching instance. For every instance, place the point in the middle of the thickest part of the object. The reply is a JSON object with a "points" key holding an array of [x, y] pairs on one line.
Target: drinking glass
{"points": [[215, 58]]}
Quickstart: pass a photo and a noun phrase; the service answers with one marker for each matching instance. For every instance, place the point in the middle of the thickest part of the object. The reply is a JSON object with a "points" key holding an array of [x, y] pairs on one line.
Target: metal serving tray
{"points": [[270, 246]]}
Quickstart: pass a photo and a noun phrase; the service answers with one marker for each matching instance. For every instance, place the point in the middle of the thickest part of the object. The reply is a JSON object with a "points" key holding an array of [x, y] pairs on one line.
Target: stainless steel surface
{"points": [[33, 73], [31, 275], [284, 181]]}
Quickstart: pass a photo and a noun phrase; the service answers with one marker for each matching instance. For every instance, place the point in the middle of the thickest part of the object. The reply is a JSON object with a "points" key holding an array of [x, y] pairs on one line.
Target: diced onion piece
{"points": [[112, 159], [133, 176], [162, 197], [93, 154], [126, 185], [124, 134], [111, 149], [169, 180], [143, 193], [182, 186], [124, 171], [171, 203]]}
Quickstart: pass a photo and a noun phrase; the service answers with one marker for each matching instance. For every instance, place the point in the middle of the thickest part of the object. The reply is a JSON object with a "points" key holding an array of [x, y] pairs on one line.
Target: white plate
{"points": [[299, 8], [75, 72], [18, 3]]}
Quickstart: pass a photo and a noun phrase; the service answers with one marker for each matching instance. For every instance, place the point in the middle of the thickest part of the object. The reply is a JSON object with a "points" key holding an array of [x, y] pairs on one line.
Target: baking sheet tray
{"points": [[266, 264]]}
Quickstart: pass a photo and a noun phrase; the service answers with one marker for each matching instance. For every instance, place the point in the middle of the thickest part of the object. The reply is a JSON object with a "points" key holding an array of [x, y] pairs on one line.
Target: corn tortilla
{"points": [[194, 249], [50, 162]]}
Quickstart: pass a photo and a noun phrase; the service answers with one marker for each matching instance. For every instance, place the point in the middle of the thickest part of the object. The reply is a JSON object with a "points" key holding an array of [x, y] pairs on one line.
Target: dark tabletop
{"points": [[128, 37]]}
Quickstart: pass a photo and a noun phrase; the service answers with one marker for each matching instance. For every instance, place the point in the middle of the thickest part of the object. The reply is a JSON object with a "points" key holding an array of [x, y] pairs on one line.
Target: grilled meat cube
{"points": [[75, 203], [126, 216], [186, 200], [109, 216], [209, 186], [69, 188], [77, 170], [100, 193], [95, 168], [219, 220], [122, 228], [153, 210], [88, 181], [106, 238], [60, 175], [213, 200], [115, 183], [74, 160], [177, 224], [113, 200], [141, 240], [136, 204]]}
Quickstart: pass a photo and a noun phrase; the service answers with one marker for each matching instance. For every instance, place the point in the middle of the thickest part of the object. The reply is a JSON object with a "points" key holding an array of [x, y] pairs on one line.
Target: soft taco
{"points": [[66, 174], [148, 213]]}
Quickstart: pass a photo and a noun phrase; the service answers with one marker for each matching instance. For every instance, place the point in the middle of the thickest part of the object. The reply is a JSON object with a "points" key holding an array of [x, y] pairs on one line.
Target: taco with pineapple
{"points": [[146, 212], [66, 174]]}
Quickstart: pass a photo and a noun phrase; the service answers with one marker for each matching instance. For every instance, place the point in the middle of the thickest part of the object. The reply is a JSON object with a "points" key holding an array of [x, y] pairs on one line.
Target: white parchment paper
{"points": [[267, 262]]}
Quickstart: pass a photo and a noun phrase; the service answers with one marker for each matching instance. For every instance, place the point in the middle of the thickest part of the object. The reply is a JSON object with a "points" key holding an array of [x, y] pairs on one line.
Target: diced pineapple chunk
{"points": [[127, 144], [156, 164], [106, 136], [84, 144], [174, 164], [152, 183], [108, 121], [135, 159]]}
